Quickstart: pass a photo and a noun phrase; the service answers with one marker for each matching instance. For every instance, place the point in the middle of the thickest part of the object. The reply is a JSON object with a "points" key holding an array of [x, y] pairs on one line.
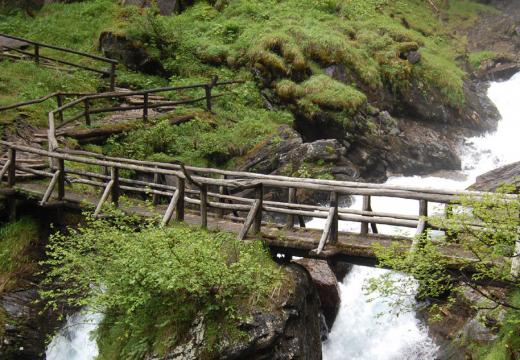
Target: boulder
{"points": [[166, 7], [490, 181], [132, 54], [326, 284], [291, 332]]}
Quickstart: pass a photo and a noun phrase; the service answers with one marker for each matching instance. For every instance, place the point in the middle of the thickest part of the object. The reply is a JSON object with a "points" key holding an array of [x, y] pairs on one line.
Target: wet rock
{"points": [[291, 332], [327, 285], [490, 181], [132, 54]]}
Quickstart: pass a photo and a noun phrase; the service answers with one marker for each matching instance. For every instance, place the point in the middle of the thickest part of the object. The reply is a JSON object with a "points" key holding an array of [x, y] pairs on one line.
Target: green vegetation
{"points": [[287, 44], [16, 240], [152, 283], [477, 58], [507, 346], [488, 250]]}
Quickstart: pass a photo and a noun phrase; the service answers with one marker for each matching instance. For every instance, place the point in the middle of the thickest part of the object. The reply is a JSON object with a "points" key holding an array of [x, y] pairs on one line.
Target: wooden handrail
{"points": [[38, 56]]}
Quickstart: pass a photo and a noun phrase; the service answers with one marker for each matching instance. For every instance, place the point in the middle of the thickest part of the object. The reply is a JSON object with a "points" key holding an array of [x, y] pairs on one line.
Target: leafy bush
{"points": [[152, 282], [482, 235]]}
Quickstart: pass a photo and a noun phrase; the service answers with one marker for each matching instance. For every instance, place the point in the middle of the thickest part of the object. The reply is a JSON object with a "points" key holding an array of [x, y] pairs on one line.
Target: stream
{"points": [[360, 331]]}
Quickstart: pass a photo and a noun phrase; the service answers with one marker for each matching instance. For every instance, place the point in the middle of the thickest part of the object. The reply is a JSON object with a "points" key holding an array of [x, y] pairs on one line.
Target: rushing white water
{"points": [[74, 341], [359, 333]]}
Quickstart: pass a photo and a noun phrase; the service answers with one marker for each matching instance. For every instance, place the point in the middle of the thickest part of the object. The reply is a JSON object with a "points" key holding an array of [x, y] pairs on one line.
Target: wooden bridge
{"points": [[234, 201], [249, 204]]}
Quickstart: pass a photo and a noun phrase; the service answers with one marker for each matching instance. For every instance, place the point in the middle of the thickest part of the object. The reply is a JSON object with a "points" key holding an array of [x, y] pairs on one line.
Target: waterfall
{"points": [[358, 332], [74, 342]]}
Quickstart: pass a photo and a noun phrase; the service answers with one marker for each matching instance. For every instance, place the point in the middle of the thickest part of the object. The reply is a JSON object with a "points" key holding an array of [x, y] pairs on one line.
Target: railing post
{"points": [[207, 89], [11, 172], [59, 99], [145, 107], [61, 179], [37, 53], [335, 221], [221, 191], [366, 207], [112, 77], [87, 112], [204, 206], [155, 197], [291, 200], [115, 186], [259, 195], [423, 208], [179, 210]]}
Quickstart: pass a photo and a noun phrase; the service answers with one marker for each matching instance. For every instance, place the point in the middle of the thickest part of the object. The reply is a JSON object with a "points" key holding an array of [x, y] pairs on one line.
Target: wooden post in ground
{"points": [[37, 53], [366, 207], [179, 209], [11, 171], [112, 77], [59, 99], [291, 200], [87, 112], [204, 206], [259, 195], [145, 107], [61, 179], [221, 191], [115, 187], [155, 197], [335, 221]]}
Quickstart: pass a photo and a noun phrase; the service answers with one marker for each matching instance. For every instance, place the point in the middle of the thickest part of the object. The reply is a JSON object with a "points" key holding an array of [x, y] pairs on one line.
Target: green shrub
{"points": [[152, 282]]}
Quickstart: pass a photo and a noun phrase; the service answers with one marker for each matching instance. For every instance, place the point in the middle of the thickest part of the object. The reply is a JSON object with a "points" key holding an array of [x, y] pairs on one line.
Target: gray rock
{"points": [[476, 331], [413, 57], [166, 7], [490, 181], [131, 54], [291, 332]]}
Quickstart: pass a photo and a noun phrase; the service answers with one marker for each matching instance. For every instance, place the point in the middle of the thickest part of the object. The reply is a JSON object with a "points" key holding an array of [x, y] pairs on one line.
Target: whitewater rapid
{"points": [[360, 333]]}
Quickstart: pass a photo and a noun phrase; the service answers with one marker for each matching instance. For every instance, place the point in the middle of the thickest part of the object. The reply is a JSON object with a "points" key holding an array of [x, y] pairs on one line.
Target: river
{"points": [[360, 331]]}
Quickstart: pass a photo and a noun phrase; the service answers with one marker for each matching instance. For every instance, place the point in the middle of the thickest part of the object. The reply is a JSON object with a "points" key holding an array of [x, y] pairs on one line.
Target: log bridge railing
{"points": [[149, 100], [226, 194], [37, 56]]}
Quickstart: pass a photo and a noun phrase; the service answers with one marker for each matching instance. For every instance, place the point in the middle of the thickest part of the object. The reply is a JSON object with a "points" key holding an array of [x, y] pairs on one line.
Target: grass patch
{"points": [[477, 58], [16, 239]]}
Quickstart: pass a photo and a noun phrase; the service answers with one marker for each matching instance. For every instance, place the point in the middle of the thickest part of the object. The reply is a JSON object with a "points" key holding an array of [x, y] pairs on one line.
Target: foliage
{"points": [[16, 238], [481, 234], [477, 58], [151, 283]]}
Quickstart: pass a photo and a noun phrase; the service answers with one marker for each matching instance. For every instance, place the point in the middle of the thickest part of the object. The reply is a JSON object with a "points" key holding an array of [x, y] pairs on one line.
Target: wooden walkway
{"points": [[223, 200]]}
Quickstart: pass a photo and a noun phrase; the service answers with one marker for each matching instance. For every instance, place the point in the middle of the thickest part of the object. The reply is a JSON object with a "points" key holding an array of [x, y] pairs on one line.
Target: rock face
{"points": [[490, 181], [291, 333], [132, 54], [326, 284], [25, 331]]}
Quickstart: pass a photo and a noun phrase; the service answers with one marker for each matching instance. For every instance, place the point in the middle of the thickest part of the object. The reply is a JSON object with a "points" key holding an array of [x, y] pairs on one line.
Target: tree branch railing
{"points": [[37, 56]]}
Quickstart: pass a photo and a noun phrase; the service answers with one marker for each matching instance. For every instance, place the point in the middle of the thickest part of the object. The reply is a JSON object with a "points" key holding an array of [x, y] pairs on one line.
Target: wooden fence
{"points": [[37, 56], [86, 104]]}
